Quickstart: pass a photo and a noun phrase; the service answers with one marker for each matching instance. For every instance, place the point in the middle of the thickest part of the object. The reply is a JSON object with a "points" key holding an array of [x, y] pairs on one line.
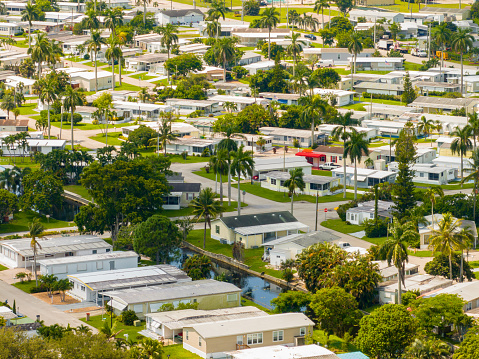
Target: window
{"points": [[199, 341], [107, 250], [138, 308], [278, 336], [282, 184], [239, 340], [255, 338], [315, 186], [190, 196], [433, 176], [217, 229], [273, 181], [302, 331], [232, 297], [186, 334], [371, 215], [421, 174], [82, 288], [94, 251], [334, 159], [99, 265]]}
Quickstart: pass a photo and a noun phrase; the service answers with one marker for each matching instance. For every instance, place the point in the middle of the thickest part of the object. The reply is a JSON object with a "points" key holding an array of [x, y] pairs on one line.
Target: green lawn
{"points": [[113, 138], [21, 221], [89, 126], [2, 268], [249, 303], [22, 43], [97, 322], [19, 162], [123, 70], [163, 82], [92, 64], [79, 190], [252, 257], [143, 76], [322, 173], [339, 226], [126, 87], [28, 109], [411, 66], [356, 107], [401, 6], [25, 285], [300, 11], [178, 352], [187, 211]]}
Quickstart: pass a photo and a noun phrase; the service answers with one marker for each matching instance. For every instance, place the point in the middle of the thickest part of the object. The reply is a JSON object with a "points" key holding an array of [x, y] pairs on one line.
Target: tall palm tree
{"points": [[30, 14], [242, 164], [48, 95], [461, 42], [394, 250], [320, 5], [219, 164], [56, 52], [467, 238], [169, 34], [442, 36], [431, 194], [474, 176], [461, 144], [295, 180], [269, 20], [295, 48], [355, 46], [35, 228], [93, 46], [473, 123], [91, 20], [165, 133], [72, 99], [216, 10], [446, 239], [206, 207], [148, 348], [354, 148], [345, 125], [225, 50], [40, 51], [113, 19], [426, 126], [314, 107], [213, 28], [113, 53]]}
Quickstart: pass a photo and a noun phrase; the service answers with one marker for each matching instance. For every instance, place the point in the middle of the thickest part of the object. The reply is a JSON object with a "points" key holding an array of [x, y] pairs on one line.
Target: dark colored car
{"points": [[310, 36]]}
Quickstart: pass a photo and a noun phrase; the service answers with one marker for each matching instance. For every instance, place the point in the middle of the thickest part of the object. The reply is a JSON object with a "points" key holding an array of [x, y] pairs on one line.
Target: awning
{"points": [[117, 305], [360, 178], [310, 154], [387, 130]]}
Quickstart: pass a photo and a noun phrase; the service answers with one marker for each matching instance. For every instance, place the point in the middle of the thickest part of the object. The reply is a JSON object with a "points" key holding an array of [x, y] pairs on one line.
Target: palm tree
{"points": [[225, 49], [314, 107], [72, 99], [148, 348], [213, 28], [8, 104], [467, 238], [113, 19], [320, 5], [30, 14], [430, 194], [165, 133], [461, 144], [473, 123], [94, 45], [394, 250], [35, 228], [206, 207], [110, 331], [354, 148], [56, 52], [462, 41], [473, 175], [442, 36], [446, 239], [48, 95], [40, 51], [345, 125], [219, 164], [169, 34], [269, 20], [355, 46], [294, 181], [216, 11], [91, 21], [295, 47], [425, 348], [242, 164], [426, 126]]}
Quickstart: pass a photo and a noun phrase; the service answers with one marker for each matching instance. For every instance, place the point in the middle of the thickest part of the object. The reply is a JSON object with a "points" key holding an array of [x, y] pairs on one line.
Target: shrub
{"points": [[184, 155], [288, 274], [344, 207], [40, 289], [381, 97], [375, 230], [86, 57], [66, 118], [128, 317], [240, 72]]}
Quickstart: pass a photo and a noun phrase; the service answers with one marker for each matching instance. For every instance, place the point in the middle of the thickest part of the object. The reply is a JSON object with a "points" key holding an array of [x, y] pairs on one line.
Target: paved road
{"points": [[31, 307]]}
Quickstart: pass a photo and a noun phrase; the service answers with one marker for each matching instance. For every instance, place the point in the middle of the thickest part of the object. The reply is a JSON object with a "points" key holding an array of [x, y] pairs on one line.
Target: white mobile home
{"points": [[62, 267], [365, 177]]}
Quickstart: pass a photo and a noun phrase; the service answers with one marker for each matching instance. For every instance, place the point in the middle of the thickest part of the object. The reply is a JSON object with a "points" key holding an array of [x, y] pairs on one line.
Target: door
{"points": [[112, 265]]}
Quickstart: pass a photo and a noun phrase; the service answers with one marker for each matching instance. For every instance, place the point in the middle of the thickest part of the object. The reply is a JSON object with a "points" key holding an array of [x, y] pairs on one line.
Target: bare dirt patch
{"points": [[91, 310], [56, 299]]}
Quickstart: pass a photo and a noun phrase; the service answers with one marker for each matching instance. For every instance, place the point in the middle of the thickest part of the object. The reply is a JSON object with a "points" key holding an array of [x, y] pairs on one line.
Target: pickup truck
{"points": [[418, 53], [328, 166]]}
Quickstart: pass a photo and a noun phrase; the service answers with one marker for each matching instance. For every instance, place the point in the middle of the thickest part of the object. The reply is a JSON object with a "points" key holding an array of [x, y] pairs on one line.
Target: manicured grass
{"points": [[332, 342], [189, 159], [367, 101], [25, 285], [89, 126], [2, 268], [474, 264], [113, 139], [252, 257], [77, 147], [339, 226], [28, 109], [123, 70], [322, 173], [356, 107], [377, 241], [22, 43], [163, 82], [143, 76], [401, 6], [178, 352], [126, 87], [451, 186], [79, 190], [98, 63], [19, 162], [97, 322], [419, 253], [411, 66], [21, 220], [249, 303], [187, 211]]}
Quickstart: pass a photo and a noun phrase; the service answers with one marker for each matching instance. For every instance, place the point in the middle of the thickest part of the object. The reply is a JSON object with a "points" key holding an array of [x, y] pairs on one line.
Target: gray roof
{"points": [[248, 325], [55, 245], [305, 240], [174, 291], [185, 187], [285, 96], [259, 219], [88, 258], [179, 13], [307, 178], [131, 277], [379, 86], [442, 102]]}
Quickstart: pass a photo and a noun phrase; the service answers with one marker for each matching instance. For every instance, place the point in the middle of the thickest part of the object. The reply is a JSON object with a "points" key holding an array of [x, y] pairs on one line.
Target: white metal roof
{"points": [[284, 352], [266, 228], [88, 258]]}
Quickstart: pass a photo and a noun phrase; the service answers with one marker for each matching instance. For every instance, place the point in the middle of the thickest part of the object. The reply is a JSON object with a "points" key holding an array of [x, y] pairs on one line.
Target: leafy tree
{"points": [[313, 108], [344, 6], [408, 95], [142, 136], [470, 346], [387, 332], [295, 181], [183, 64], [320, 5], [441, 311], [274, 49], [198, 267], [225, 51], [8, 203], [42, 192], [440, 266], [335, 310], [291, 301], [251, 8], [327, 77], [63, 285], [157, 238], [428, 348], [27, 68], [207, 208], [355, 46], [128, 317], [147, 349]]}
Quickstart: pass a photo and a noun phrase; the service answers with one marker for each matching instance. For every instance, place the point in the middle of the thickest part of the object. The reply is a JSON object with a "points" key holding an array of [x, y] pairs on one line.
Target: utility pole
{"points": [[316, 224], [242, 11], [374, 33], [429, 41]]}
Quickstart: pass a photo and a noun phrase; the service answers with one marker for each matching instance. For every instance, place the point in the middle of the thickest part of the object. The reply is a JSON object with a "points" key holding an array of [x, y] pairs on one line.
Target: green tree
{"points": [[295, 181], [35, 228], [113, 19], [428, 348], [440, 266], [198, 267], [269, 20], [157, 238], [242, 165], [344, 6], [147, 349], [30, 14], [63, 285], [355, 46], [216, 10], [313, 107], [112, 53], [426, 126], [8, 203], [142, 136], [93, 46], [295, 48], [442, 36], [72, 99], [394, 29], [8, 104], [48, 95], [40, 51], [470, 346], [387, 332], [461, 144], [335, 310], [169, 34], [408, 95], [206, 207], [219, 164], [355, 148], [461, 42], [394, 250], [473, 175], [183, 64], [224, 49], [291, 301], [320, 5], [42, 192]]}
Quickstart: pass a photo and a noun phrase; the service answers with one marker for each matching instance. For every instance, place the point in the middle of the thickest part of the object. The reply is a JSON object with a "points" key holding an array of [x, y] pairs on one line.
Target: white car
{"points": [[328, 166]]}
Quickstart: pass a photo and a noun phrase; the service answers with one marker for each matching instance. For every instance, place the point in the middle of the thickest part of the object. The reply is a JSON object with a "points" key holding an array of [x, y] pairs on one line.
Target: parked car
{"points": [[310, 36], [328, 166]]}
